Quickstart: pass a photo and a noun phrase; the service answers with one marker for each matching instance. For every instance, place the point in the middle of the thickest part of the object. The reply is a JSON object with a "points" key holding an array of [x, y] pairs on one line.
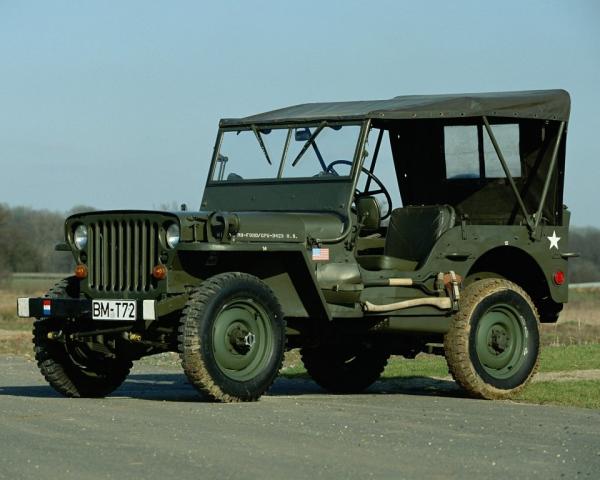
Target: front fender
{"points": [[286, 268]]}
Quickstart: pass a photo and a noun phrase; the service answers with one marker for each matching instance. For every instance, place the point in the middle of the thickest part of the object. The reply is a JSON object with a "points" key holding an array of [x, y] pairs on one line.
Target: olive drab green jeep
{"points": [[351, 230]]}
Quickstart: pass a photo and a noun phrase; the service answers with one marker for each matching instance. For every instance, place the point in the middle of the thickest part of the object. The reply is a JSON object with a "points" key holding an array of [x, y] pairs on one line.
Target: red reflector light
{"points": [[159, 272], [559, 277], [81, 271]]}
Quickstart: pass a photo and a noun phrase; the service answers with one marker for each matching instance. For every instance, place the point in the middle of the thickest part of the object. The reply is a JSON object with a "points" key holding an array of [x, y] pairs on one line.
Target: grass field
{"points": [[579, 322], [575, 360], [15, 333], [573, 344]]}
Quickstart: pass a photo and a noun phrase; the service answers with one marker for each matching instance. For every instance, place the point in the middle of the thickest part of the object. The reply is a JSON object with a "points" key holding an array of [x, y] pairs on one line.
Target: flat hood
{"points": [[287, 227]]}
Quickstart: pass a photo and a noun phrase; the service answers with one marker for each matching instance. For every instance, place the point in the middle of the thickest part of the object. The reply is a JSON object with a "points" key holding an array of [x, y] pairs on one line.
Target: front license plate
{"points": [[114, 309]]}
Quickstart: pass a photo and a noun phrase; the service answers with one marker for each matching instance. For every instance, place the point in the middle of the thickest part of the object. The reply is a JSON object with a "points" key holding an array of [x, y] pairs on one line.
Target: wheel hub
{"points": [[249, 339], [241, 339], [499, 339]]}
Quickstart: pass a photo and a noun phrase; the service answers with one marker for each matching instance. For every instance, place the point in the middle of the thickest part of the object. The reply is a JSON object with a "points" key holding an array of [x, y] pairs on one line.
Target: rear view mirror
{"points": [[302, 134]]}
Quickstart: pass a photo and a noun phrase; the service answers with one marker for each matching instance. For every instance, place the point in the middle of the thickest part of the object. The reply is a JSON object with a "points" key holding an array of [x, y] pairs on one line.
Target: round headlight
{"points": [[173, 235], [80, 237]]}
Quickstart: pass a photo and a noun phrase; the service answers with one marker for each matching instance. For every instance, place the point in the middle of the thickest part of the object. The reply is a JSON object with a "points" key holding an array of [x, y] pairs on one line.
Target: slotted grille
{"points": [[122, 254]]}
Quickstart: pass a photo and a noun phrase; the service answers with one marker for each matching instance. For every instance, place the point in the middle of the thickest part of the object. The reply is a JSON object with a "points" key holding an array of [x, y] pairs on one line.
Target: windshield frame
{"points": [[283, 159], [289, 194]]}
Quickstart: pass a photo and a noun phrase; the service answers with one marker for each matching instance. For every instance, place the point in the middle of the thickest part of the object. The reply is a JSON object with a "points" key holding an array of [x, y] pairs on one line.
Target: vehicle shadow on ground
{"points": [[412, 385], [157, 387], [175, 387]]}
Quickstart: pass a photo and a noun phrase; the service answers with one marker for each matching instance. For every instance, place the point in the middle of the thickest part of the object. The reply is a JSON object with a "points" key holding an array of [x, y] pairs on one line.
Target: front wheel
{"points": [[75, 369], [492, 347], [232, 337]]}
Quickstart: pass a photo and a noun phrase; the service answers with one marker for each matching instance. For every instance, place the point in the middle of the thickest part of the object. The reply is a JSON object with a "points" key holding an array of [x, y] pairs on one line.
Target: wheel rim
{"points": [[242, 339], [501, 341]]}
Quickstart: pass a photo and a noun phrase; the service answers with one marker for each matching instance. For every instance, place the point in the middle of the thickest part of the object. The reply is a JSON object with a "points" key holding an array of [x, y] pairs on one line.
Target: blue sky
{"points": [[116, 104]]}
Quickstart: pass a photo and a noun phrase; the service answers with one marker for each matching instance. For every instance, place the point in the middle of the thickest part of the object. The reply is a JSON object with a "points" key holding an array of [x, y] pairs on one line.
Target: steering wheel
{"points": [[381, 191]]}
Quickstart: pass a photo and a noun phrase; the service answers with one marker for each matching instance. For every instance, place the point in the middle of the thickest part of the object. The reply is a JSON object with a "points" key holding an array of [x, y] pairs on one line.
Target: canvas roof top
{"points": [[537, 104]]}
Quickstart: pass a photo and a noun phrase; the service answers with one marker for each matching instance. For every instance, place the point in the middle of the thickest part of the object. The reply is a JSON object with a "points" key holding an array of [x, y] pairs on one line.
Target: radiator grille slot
{"points": [[122, 254]]}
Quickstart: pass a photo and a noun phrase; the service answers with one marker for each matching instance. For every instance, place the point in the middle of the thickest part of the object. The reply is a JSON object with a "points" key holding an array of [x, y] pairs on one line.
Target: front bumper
{"points": [[74, 308]]}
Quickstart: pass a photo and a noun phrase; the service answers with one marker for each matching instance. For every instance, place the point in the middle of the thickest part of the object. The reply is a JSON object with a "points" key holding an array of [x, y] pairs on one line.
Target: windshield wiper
{"points": [[309, 142], [261, 143]]}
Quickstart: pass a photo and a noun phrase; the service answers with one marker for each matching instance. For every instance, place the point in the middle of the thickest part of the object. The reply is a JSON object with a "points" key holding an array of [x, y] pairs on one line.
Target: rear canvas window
{"points": [[469, 151], [462, 152]]}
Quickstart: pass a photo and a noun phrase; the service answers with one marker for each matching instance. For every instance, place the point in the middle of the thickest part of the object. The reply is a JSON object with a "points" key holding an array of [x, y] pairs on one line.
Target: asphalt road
{"points": [[156, 427]]}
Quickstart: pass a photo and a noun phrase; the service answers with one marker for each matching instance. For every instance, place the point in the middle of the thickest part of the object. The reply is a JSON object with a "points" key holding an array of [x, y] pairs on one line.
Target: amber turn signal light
{"points": [[159, 272], [81, 271]]}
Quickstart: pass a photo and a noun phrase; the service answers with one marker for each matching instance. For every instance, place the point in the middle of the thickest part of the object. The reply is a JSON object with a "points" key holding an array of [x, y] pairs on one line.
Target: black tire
{"points": [[69, 377], [232, 337], [492, 348], [344, 368]]}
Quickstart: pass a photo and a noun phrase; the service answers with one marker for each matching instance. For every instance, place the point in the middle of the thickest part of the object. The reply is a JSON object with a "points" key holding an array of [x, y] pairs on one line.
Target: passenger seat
{"points": [[413, 230], [411, 235]]}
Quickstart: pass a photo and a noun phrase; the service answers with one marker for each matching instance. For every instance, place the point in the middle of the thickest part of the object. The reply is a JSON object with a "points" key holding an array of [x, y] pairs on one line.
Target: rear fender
{"points": [[520, 267]]}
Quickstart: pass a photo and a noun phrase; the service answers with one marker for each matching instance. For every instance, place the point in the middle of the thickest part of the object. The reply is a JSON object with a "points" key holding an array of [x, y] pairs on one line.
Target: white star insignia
{"points": [[553, 240]]}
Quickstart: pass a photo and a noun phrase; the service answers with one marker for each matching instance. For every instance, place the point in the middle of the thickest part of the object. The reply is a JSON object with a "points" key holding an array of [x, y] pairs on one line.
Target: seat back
{"points": [[413, 230]]}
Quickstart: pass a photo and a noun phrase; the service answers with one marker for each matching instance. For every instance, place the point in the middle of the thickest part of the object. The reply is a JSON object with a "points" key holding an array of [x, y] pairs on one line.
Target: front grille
{"points": [[121, 255]]}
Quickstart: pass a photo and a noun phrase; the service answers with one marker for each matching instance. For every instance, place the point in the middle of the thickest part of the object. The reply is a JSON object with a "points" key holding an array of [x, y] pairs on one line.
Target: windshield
{"points": [[279, 153]]}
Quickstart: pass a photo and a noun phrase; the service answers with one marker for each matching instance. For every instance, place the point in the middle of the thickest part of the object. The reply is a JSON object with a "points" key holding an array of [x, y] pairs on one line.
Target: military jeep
{"points": [[350, 230]]}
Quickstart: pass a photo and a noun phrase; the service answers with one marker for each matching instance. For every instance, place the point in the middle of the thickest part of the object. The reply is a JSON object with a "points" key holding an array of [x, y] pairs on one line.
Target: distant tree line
{"points": [[585, 241], [28, 237]]}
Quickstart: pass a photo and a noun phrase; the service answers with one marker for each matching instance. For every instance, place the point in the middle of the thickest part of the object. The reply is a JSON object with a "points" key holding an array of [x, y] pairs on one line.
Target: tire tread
{"points": [[456, 341], [190, 343]]}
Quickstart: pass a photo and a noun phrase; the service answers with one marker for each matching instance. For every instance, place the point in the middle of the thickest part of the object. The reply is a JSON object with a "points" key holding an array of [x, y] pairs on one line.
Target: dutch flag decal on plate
{"points": [[47, 307], [320, 254]]}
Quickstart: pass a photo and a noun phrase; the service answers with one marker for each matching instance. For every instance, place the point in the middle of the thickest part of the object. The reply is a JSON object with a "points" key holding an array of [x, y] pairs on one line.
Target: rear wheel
{"points": [[232, 337], [344, 368], [74, 369], [492, 348]]}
